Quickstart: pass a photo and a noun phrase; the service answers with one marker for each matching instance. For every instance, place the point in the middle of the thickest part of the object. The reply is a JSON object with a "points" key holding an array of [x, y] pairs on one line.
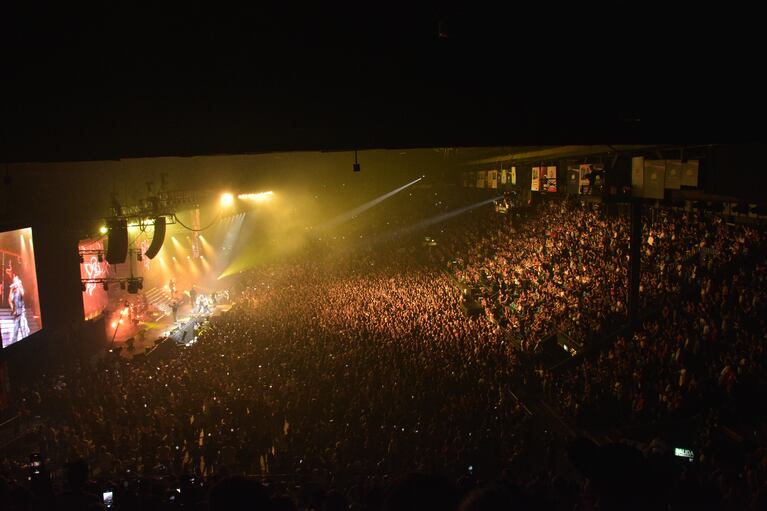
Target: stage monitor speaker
{"points": [[117, 244], [158, 238]]}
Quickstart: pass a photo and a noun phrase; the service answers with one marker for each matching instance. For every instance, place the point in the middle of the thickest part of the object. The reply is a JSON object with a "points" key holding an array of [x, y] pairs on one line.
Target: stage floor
{"points": [[147, 332]]}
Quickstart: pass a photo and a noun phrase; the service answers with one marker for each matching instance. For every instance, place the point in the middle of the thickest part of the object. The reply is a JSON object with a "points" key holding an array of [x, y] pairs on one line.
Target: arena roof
{"points": [[193, 82]]}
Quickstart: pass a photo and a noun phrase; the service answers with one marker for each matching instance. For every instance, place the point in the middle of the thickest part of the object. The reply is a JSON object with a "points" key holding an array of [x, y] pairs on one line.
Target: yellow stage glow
{"points": [[178, 247], [114, 324], [206, 246], [227, 199], [103, 229], [256, 197]]}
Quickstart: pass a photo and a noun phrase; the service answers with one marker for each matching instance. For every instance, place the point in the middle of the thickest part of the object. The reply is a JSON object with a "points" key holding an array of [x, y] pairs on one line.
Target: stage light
{"points": [[103, 229], [256, 197], [227, 199], [121, 321], [114, 324], [124, 311]]}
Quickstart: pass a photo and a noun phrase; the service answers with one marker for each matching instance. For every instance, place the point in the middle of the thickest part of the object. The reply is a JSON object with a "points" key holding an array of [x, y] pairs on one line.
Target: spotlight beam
{"points": [[436, 219], [256, 197], [345, 217]]}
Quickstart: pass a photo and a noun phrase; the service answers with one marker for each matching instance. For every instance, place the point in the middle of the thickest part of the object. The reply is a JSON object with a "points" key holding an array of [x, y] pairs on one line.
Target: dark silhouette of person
{"points": [[75, 497], [415, 492], [239, 493]]}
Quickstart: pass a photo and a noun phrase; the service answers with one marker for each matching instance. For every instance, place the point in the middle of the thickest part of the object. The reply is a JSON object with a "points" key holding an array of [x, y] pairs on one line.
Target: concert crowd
{"points": [[354, 380]]}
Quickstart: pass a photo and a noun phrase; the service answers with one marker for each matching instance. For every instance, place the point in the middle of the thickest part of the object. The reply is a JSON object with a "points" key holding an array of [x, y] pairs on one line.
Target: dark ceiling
{"points": [[85, 86]]}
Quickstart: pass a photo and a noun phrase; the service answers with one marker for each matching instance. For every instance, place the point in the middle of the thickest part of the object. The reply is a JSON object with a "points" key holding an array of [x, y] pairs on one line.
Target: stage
{"points": [[142, 338]]}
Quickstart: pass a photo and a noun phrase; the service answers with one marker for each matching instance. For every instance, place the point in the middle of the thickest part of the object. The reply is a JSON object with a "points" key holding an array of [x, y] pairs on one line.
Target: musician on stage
{"points": [[18, 310], [174, 309]]}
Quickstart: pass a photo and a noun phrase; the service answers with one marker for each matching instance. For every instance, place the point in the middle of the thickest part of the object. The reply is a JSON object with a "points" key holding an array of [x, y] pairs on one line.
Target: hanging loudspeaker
{"points": [[158, 238], [117, 243]]}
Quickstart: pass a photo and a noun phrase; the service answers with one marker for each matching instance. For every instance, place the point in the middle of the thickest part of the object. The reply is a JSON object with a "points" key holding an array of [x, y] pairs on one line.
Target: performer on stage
{"points": [[174, 308], [18, 310], [172, 288]]}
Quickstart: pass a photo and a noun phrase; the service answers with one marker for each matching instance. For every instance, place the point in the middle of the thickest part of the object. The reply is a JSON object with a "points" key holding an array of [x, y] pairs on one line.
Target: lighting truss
{"points": [[113, 280]]}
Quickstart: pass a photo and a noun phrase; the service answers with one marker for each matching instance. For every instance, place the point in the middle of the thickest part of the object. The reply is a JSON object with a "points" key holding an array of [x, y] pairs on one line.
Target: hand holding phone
{"points": [[108, 497]]}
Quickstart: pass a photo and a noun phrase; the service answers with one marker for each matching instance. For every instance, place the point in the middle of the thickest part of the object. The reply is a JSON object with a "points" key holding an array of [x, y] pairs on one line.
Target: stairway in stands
{"points": [[6, 324]]}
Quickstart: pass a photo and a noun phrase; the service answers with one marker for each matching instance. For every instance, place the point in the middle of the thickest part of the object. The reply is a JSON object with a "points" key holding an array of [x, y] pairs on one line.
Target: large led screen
{"points": [[19, 303]]}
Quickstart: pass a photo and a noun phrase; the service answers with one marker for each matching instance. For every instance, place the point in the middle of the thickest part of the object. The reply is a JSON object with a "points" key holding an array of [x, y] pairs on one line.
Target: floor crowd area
{"points": [[354, 379]]}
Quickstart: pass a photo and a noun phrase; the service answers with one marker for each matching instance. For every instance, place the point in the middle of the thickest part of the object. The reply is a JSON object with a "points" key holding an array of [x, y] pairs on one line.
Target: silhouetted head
{"points": [[416, 492], [492, 498], [77, 474], [238, 493]]}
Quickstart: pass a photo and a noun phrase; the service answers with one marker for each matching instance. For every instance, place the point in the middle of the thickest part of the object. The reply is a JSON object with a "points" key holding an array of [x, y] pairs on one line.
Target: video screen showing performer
{"points": [[19, 302]]}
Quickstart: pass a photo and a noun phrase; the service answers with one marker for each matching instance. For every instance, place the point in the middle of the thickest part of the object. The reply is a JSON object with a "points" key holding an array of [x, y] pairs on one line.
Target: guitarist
{"points": [[18, 311]]}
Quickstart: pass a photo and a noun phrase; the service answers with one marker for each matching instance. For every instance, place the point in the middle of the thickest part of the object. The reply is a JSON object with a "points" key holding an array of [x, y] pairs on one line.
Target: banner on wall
{"points": [[492, 179], [551, 180], [535, 184], [95, 298], [673, 174], [690, 173], [654, 178], [503, 176], [196, 244], [573, 180], [481, 178], [514, 176]]}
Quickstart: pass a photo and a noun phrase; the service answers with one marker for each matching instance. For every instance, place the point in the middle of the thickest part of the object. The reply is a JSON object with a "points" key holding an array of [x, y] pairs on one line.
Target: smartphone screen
{"points": [[108, 497], [35, 463]]}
